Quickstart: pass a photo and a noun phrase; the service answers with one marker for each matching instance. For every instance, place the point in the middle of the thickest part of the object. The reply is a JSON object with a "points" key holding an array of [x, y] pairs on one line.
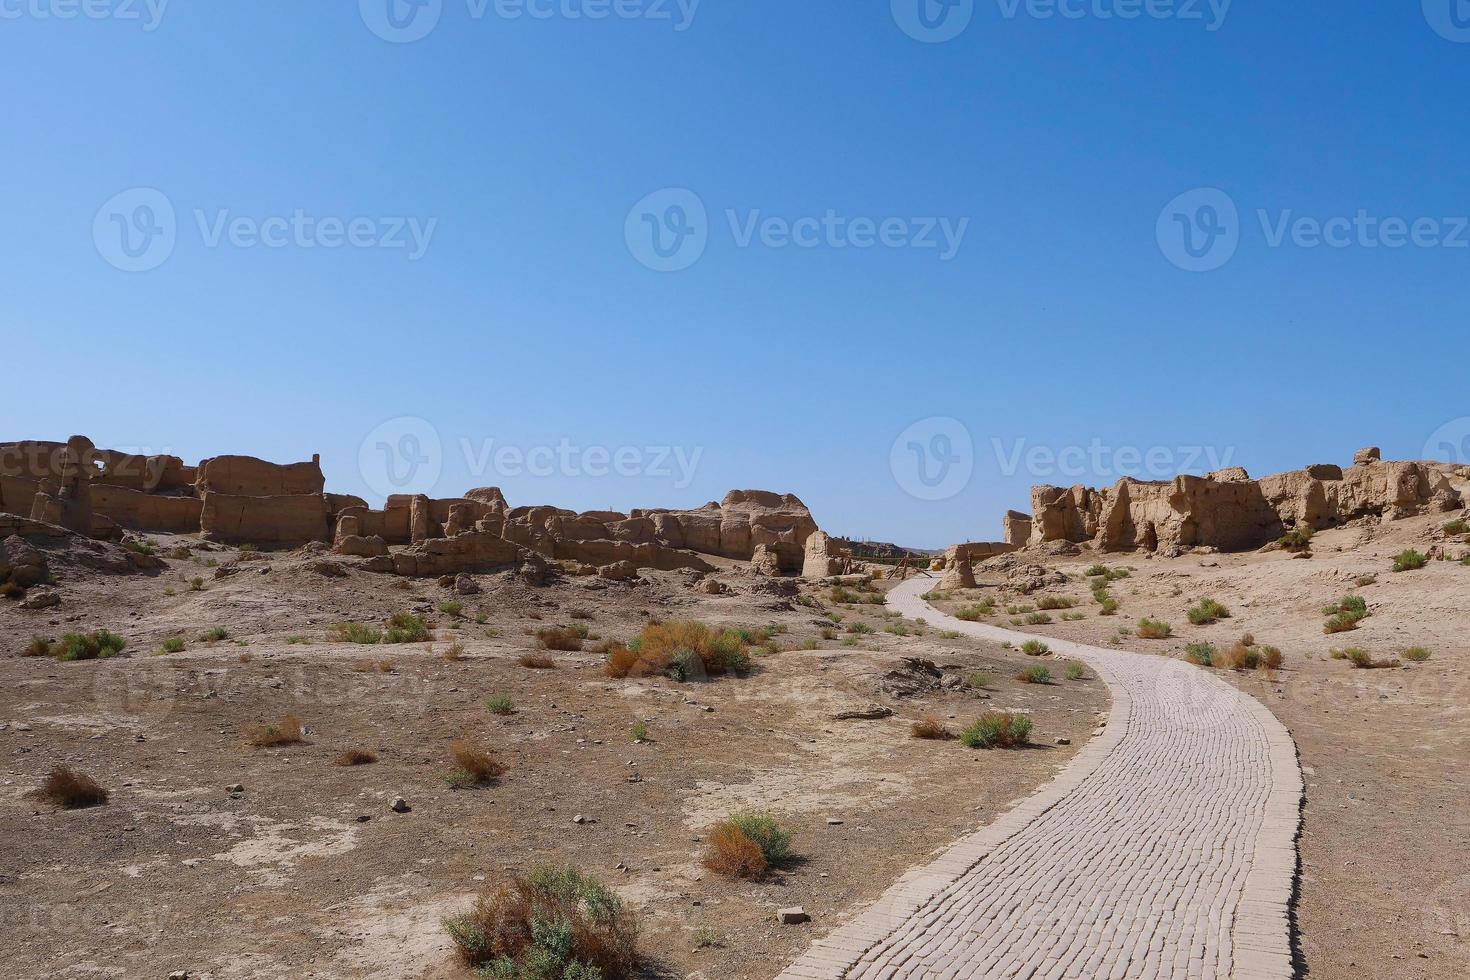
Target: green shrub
{"points": [[975, 612], [1416, 655], [406, 628], [1055, 602], [98, 645], [1109, 607], [173, 644], [997, 730], [1298, 539], [979, 680], [354, 633], [639, 731], [1075, 671], [859, 628], [1458, 526], [453, 607], [1154, 629], [1034, 675], [775, 843], [1200, 653], [196, 584], [1035, 648], [1408, 561], [1037, 619], [216, 634], [1207, 611], [499, 705]]}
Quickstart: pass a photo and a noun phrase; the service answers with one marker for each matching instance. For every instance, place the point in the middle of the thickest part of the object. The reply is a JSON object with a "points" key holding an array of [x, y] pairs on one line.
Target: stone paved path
{"points": [[1166, 849]]}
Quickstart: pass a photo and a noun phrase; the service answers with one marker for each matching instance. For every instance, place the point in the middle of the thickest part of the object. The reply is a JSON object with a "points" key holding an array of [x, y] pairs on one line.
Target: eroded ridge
{"points": [[1166, 849]]}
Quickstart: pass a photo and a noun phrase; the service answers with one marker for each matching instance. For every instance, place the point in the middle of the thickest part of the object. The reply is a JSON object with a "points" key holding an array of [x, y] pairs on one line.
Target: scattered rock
{"points": [[792, 916], [399, 805], [464, 585], [871, 713], [1063, 740], [41, 600]]}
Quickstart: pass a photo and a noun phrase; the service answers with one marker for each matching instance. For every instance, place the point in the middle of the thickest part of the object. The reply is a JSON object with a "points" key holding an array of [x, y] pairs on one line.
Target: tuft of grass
{"points": [[500, 704], [215, 634], [173, 644], [1361, 659], [997, 730], [559, 638], [287, 731], [1154, 629], [354, 633], [40, 646], [452, 607], [1207, 611], [1035, 675], [1055, 602], [1075, 671], [97, 645], [1200, 653], [476, 766], [454, 652], [196, 584], [553, 923], [859, 629], [976, 612], [979, 680], [1296, 540], [932, 729], [1345, 615], [1457, 526], [1409, 560], [1035, 648], [1416, 655], [356, 757], [1363, 581], [536, 661], [407, 628], [66, 787], [639, 731], [1272, 658], [1037, 619]]}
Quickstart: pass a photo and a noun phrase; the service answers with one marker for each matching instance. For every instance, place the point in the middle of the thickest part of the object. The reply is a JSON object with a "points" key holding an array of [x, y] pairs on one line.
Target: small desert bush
{"points": [[1207, 611], [1037, 619], [1271, 657], [732, 854], [1298, 539], [1362, 659], [1035, 648], [1363, 581], [356, 757], [452, 607], [454, 652], [536, 661], [1154, 629], [1408, 561], [1416, 655], [1458, 526], [40, 646], [476, 766], [173, 644], [1075, 671], [1240, 656], [65, 787], [354, 633], [1035, 675], [1200, 653], [558, 638], [1109, 607], [979, 680], [997, 730], [975, 612], [1055, 602], [499, 704], [639, 731], [932, 729], [860, 629], [97, 645], [217, 634], [196, 584], [406, 628], [287, 731], [551, 924], [1345, 615], [685, 651], [774, 842]]}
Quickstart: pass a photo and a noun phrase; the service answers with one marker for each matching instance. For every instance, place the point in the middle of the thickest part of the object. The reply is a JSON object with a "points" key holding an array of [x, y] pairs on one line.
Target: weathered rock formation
{"points": [[1230, 511], [958, 574], [823, 557]]}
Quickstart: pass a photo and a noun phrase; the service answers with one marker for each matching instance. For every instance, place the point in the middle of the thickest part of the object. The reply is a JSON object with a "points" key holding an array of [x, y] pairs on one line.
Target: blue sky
{"points": [[1064, 150]]}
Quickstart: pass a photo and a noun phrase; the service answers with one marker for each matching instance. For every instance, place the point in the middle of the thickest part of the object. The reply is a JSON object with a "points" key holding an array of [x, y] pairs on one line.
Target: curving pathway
{"points": [[1167, 848]]}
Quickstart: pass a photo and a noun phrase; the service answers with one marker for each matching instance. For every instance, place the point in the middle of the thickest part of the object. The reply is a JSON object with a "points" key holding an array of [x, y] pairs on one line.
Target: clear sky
{"points": [[902, 259]]}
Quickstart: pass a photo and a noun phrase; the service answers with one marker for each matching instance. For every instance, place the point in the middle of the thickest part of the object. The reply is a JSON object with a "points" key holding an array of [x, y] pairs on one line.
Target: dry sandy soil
{"points": [[1385, 852], [307, 872]]}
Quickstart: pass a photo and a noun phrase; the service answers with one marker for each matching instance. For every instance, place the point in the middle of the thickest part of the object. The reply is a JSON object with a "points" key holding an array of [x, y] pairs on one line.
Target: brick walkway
{"points": [[1166, 849]]}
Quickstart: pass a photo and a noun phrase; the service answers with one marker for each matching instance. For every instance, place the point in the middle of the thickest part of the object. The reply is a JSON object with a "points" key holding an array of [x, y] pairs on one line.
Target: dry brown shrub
{"points": [[478, 763], [558, 638], [73, 790], [454, 652], [1272, 658], [932, 729], [357, 757], [245, 658], [536, 661], [620, 661], [287, 731], [733, 854]]}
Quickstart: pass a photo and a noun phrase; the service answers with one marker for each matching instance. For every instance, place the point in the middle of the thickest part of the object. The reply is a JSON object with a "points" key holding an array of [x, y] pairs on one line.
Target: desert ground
{"points": [[223, 860], [1384, 883]]}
